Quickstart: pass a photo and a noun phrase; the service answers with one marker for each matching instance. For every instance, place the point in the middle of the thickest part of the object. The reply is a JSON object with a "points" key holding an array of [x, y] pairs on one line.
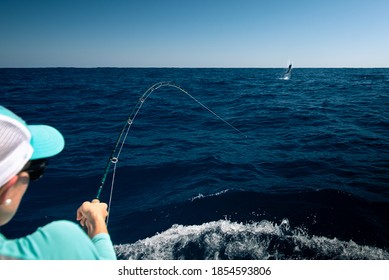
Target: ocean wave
{"points": [[224, 239]]}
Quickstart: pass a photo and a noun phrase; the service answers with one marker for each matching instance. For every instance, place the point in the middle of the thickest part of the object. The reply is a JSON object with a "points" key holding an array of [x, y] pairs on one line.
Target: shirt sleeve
{"points": [[104, 246], [60, 240]]}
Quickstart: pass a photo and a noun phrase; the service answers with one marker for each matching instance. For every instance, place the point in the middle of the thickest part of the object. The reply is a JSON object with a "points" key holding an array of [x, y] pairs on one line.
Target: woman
{"points": [[23, 153]]}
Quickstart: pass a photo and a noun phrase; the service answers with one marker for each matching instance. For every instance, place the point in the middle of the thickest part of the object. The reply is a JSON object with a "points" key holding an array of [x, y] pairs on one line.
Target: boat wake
{"points": [[225, 240]]}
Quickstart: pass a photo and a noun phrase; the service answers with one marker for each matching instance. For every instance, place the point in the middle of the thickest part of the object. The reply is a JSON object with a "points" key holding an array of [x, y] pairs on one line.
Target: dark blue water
{"points": [[310, 181]]}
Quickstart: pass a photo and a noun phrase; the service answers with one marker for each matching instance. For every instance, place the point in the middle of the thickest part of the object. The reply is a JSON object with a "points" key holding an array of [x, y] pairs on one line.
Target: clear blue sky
{"points": [[194, 33]]}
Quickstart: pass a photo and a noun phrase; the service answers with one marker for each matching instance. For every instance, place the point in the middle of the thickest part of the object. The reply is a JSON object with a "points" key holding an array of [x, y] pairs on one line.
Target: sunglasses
{"points": [[36, 168]]}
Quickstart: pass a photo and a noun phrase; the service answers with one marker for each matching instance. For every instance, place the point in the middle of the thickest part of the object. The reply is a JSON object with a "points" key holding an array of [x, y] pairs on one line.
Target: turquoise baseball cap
{"points": [[21, 142]]}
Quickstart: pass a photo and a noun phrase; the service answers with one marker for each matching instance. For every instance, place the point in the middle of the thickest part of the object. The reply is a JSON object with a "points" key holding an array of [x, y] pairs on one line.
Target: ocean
{"points": [[308, 177]]}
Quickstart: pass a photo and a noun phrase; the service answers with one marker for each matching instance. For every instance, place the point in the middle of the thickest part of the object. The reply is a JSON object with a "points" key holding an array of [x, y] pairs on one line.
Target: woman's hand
{"points": [[92, 216]]}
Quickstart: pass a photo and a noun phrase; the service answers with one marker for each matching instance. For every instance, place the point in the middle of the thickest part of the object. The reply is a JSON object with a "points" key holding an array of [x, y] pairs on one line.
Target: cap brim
{"points": [[46, 141]]}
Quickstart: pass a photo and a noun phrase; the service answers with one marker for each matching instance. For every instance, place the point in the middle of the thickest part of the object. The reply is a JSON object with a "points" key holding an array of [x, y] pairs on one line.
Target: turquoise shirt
{"points": [[60, 240]]}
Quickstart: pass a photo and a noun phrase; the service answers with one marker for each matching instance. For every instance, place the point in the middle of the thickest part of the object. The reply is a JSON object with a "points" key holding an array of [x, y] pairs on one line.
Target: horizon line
{"points": [[195, 67]]}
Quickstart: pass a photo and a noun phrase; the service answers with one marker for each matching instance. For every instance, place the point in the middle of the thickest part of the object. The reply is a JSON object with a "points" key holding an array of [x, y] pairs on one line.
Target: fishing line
{"points": [[114, 157]]}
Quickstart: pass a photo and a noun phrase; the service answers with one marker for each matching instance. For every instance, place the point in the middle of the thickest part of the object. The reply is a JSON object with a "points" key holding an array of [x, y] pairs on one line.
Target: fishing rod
{"points": [[116, 151]]}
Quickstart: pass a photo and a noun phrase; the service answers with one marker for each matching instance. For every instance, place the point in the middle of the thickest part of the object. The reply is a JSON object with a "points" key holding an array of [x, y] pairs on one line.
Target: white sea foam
{"points": [[224, 239], [199, 196]]}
